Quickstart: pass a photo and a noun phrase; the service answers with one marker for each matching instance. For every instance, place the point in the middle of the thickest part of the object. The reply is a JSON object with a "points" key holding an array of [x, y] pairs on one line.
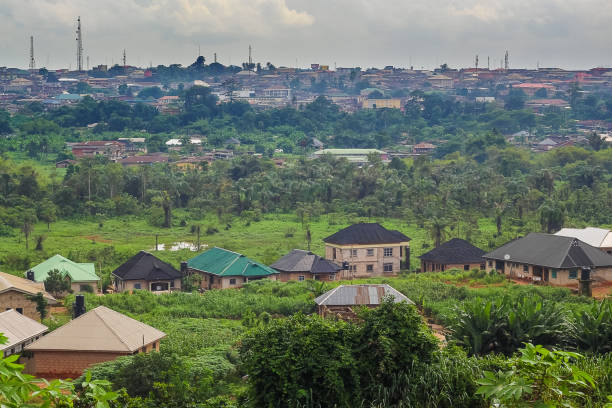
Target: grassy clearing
{"points": [[109, 242]]}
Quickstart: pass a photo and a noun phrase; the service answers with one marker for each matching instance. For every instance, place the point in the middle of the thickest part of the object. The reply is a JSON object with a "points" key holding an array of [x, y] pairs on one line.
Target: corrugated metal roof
{"points": [[348, 295], [12, 282], [222, 262], [100, 329], [18, 328], [592, 236]]}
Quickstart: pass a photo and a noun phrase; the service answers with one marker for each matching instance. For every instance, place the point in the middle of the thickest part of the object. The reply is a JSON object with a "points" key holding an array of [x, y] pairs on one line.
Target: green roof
{"points": [[78, 272], [222, 262]]}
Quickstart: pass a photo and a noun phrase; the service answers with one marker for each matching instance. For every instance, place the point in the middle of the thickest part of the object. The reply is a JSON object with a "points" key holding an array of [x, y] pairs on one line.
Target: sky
{"points": [[571, 34]]}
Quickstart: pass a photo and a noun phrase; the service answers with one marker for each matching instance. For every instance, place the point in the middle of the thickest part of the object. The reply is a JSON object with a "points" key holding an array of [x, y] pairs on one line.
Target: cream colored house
{"points": [[368, 249], [549, 258], [598, 237]]}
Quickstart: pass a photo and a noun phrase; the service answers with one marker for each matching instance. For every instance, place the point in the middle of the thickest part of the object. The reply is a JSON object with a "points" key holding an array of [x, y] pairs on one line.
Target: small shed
{"points": [[343, 300]]}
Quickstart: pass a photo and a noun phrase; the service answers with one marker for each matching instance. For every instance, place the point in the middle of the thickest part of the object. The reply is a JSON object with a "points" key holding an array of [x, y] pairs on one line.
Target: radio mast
{"points": [[79, 40], [32, 62]]}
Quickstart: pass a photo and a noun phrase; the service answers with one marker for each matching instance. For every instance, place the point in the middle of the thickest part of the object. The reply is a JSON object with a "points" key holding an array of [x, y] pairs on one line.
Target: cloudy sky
{"points": [[422, 33]]}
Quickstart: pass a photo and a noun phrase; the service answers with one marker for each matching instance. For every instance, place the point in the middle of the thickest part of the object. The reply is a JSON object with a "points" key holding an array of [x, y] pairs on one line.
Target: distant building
{"points": [[344, 300], [20, 331], [368, 249], [94, 337], [440, 81], [111, 149], [423, 148], [301, 265], [454, 254], [359, 156], [223, 269], [392, 103]]}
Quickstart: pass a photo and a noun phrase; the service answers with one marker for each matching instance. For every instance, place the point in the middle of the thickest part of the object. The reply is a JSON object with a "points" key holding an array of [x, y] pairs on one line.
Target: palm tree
{"points": [[437, 229]]}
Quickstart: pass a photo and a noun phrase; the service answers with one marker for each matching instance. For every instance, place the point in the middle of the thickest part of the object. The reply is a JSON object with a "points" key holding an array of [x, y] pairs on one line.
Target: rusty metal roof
{"points": [[347, 295]]}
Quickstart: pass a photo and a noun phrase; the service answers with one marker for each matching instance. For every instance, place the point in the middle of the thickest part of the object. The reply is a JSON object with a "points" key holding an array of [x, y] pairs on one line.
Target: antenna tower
{"points": [[250, 59], [476, 62], [79, 40], [215, 57], [488, 63], [32, 62], [88, 62], [506, 61], [124, 59]]}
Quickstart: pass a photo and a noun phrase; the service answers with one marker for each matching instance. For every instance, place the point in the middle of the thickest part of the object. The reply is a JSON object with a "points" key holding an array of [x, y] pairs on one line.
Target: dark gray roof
{"points": [[145, 266], [456, 250], [552, 251], [349, 295], [304, 261], [366, 233]]}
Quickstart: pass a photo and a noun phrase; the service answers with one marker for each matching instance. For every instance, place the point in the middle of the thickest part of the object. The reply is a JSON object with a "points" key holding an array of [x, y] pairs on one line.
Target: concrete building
{"points": [[368, 249], [223, 269], [550, 258], [359, 156], [144, 271], [80, 275], [454, 254], [94, 337], [300, 265], [14, 294]]}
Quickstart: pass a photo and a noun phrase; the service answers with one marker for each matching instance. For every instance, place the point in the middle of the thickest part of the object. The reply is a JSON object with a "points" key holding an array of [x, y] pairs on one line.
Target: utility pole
{"points": [[79, 41], [32, 62]]}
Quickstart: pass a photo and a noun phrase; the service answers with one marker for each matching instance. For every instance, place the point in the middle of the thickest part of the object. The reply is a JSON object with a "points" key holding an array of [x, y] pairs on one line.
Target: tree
{"points": [[552, 216], [596, 141], [47, 212], [56, 282], [41, 304], [515, 99], [28, 219], [437, 229]]}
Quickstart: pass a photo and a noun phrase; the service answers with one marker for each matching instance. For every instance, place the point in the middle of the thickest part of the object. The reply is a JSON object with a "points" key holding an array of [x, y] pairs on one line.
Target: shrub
{"points": [[591, 329]]}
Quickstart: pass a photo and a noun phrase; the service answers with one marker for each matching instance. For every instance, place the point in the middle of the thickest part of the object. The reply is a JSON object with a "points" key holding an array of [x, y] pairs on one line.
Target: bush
{"points": [[591, 329]]}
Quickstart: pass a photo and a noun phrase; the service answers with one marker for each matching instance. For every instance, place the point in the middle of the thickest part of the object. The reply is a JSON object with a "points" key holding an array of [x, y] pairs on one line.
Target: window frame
{"points": [[370, 252], [301, 278], [388, 264], [388, 252], [232, 281], [370, 268]]}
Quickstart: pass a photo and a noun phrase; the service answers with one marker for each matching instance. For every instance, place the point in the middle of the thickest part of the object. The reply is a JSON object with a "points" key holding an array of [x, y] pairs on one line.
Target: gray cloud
{"points": [[562, 33]]}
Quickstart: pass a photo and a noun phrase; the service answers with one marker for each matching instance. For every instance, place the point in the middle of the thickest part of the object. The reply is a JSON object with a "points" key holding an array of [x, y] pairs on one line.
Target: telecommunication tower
{"points": [[215, 57], [32, 62], [250, 59], [79, 40], [506, 61], [124, 59]]}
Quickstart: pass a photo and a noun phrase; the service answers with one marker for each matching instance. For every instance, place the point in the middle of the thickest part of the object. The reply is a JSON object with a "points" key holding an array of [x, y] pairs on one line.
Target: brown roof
{"points": [[10, 282], [18, 328], [101, 330]]}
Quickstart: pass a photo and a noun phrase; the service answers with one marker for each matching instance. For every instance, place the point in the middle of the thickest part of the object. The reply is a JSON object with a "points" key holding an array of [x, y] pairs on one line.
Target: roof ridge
{"points": [[231, 263], [331, 292], [109, 327]]}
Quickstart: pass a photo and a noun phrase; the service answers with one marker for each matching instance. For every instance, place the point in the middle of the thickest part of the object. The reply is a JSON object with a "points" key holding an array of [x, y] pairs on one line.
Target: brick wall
{"points": [[13, 300], [64, 364]]}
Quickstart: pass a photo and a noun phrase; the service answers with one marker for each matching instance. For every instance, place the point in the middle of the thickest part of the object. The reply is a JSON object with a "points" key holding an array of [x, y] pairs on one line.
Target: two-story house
{"points": [[368, 249]]}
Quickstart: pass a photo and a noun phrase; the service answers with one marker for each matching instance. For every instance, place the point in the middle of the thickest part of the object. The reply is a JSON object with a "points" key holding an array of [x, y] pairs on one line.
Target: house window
{"points": [[482, 266], [334, 253], [490, 264], [573, 274], [388, 267], [137, 286], [525, 268], [388, 252], [332, 276], [554, 274], [172, 283], [370, 251], [353, 268], [466, 267], [301, 278], [232, 281], [370, 268], [19, 310], [353, 252]]}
